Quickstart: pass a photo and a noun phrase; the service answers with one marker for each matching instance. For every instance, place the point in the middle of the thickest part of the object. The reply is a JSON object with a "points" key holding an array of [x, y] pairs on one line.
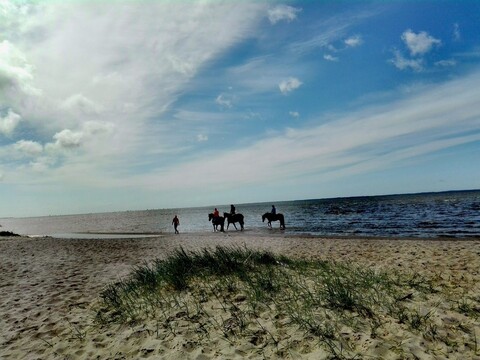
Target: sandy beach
{"points": [[49, 289]]}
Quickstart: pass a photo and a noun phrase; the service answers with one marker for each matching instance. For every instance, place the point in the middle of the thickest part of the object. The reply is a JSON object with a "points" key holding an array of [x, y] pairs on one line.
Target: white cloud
{"points": [[81, 105], [419, 44], [224, 101], [329, 57], [90, 133], [9, 122], [446, 63], [289, 85], [42, 164], [28, 148], [294, 114], [403, 63], [456, 32], [354, 41], [98, 127], [67, 139], [283, 12], [16, 73], [202, 137]]}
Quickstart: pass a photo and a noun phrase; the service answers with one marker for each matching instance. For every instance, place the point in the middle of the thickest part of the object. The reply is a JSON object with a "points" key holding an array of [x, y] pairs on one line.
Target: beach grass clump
{"points": [[469, 308], [255, 294]]}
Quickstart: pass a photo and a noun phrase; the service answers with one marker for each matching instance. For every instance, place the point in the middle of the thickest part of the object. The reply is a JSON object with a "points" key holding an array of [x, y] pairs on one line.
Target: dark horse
{"points": [[216, 221], [274, 217], [233, 218]]}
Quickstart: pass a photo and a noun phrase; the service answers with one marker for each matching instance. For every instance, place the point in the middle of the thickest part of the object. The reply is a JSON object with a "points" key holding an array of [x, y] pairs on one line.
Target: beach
{"points": [[50, 288]]}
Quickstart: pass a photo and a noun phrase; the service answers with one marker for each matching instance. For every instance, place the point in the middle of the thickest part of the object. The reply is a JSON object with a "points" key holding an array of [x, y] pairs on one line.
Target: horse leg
{"points": [[241, 225], [269, 224], [235, 226]]}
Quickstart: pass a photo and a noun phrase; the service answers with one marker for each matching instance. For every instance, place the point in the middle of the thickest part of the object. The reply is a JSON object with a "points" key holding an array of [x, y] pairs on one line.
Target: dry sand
{"points": [[48, 287]]}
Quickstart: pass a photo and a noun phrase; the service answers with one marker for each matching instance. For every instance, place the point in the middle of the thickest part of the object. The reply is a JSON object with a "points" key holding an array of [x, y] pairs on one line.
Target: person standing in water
{"points": [[176, 223]]}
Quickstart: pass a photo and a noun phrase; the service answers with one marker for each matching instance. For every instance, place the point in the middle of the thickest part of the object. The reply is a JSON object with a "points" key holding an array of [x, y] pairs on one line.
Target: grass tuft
{"points": [[231, 289]]}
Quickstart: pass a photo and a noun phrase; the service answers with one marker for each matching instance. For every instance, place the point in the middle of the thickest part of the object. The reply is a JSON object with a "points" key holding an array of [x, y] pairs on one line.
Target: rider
{"points": [[232, 209], [274, 211], [216, 214]]}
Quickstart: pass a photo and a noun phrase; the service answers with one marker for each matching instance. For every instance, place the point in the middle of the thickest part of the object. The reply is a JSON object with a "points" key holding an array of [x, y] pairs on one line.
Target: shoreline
{"points": [[87, 235], [49, 287]]}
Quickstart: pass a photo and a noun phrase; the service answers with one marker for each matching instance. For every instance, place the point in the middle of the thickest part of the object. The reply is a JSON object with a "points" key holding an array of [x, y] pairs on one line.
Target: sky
{"points": [[131, 105]]}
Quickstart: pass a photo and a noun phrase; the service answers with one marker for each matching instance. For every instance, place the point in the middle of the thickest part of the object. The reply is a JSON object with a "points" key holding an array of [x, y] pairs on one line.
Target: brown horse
{"points": [[220, 220], [274, 217], [233, 218]]}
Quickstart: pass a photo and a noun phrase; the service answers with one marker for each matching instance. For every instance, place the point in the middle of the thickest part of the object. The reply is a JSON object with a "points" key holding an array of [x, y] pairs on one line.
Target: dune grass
{"points": [[256, 295]]}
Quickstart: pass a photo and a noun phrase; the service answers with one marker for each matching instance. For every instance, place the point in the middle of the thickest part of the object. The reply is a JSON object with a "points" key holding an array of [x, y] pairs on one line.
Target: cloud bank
{"points": [[93, 80]]}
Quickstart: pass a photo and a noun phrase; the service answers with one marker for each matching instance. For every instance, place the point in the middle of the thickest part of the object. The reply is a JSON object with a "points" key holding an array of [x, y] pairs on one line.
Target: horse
{"points": [[233, 218], [220, 220], [274, 217]]}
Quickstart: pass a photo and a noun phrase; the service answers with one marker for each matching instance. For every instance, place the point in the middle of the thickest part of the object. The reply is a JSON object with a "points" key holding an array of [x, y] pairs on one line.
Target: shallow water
{"points": [[432, 215]]}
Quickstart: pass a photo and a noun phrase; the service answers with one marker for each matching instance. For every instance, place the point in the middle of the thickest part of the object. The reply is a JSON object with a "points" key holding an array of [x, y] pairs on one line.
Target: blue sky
{"points": [[109, 105]]}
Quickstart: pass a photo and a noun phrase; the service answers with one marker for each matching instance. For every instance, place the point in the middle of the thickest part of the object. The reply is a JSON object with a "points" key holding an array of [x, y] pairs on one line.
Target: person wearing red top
{"points": [[216, 213]]}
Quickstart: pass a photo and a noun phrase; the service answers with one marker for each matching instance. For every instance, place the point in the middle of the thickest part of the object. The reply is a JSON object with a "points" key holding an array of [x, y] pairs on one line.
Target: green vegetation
{"points": [[243, 293], [7, 233]]}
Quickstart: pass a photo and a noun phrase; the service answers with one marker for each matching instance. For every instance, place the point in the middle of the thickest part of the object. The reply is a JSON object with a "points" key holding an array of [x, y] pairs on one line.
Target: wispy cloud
{"points": [[446, 63], [331, 30], [224, 101], [370, 139]]}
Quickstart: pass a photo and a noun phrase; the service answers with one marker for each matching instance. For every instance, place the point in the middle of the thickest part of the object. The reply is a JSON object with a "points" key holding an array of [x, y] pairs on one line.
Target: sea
{"points": [[427, 215]]}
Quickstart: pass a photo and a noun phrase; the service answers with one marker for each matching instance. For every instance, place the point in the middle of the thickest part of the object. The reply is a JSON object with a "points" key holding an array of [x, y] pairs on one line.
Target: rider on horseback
{"points": [[216, 214], [232, 209], [274, 210]]}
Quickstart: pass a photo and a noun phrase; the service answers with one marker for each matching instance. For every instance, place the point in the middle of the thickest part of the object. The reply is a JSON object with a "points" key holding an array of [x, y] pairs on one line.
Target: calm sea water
{"points": [[432, 215]]}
